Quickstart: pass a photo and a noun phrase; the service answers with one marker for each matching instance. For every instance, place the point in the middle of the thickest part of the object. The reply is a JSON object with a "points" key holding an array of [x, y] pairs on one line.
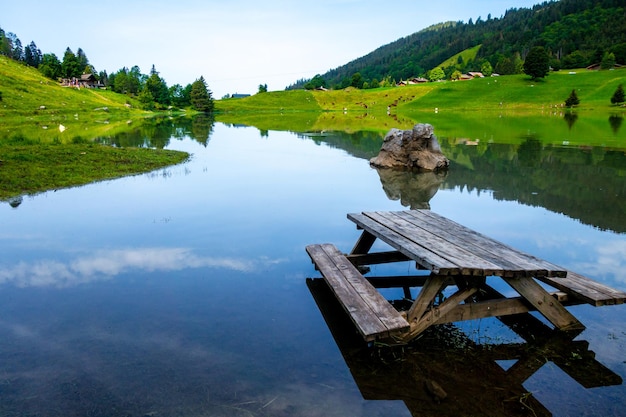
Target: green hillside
{"points": [[575, 33], [36, 106], [513, 92]]}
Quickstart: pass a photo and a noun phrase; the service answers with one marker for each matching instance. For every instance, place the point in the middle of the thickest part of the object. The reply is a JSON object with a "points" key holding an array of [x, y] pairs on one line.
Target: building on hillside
{"points": [[85, 81]]}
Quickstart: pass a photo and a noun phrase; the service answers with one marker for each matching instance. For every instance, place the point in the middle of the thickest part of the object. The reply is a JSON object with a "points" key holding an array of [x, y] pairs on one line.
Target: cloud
{"points": [[608, 261], [106, 264]]}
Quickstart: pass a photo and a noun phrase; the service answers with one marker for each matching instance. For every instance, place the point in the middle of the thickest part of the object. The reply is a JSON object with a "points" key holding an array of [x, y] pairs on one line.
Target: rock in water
{"points": [[417, 148]]}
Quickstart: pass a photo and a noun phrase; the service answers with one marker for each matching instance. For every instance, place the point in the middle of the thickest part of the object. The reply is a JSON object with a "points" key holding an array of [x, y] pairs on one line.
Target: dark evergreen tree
{"points": [[32, 55], [201, 99], [17, 52], [618, 95], [50, 66], [71, 67], [157, 88], [81, 57], [572, 100], [537, 63]]}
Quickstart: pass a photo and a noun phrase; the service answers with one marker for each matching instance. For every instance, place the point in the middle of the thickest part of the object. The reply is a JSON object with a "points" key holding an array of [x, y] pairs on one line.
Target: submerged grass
{"points": [[27, 167]]}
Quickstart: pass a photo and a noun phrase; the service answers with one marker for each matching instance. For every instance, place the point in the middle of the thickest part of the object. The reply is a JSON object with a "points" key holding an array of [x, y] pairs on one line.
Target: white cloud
{"points": [[105, 264]]}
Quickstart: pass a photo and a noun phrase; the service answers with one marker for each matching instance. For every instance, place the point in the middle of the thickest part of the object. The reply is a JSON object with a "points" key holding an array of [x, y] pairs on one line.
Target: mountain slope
{"points": [[575, 32]]}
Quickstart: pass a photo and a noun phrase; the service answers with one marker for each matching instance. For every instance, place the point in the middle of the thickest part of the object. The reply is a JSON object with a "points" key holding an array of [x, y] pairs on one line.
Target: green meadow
{"points": [[35, 111]]}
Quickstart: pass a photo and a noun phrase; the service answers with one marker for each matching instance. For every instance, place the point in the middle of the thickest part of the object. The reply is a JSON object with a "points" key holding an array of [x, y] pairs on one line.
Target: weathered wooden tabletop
{"points": [[445, 247]]}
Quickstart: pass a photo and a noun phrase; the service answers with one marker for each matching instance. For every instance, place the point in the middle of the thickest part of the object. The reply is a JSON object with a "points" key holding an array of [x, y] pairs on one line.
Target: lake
{"points": [[184, 292]]}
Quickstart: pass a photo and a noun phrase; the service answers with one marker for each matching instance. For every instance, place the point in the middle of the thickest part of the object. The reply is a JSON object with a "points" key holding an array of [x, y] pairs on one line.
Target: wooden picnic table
{"points": [[454, 255]]}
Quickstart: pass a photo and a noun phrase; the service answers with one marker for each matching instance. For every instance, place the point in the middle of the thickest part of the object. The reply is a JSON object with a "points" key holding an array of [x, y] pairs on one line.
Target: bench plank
{"points": [[372, 314], [586, 289]]}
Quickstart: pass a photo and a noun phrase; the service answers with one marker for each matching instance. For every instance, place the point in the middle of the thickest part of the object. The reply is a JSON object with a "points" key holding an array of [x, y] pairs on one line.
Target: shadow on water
{"points": [[445, 373]]}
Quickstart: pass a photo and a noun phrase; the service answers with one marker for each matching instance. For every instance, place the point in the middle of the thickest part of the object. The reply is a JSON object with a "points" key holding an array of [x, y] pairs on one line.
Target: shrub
{"points": [[618, 96], [572, 100]]}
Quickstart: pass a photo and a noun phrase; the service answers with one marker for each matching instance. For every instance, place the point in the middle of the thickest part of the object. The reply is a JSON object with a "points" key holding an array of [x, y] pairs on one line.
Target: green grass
{"points": [[467, 55], [519, 93], [28, 167]]}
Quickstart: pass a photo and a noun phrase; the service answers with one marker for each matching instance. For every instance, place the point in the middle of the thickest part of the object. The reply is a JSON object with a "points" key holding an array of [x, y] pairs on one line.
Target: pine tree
{"points": [[618, 95], [572, 100], [201, 99]]}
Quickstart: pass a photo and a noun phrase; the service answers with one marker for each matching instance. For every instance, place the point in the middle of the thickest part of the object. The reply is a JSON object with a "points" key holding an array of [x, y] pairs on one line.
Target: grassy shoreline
{"points": [[31, 168]]}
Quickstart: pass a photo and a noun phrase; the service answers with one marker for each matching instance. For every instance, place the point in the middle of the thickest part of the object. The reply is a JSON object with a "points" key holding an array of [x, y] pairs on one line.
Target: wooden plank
{"points": [[423, 256], [482, 309], [467, 262], [544, 303], [432, 315], [469, 239], [586, 289], [509, 258], [372, 314], [424, 301], [356, 308], [375, 258]]}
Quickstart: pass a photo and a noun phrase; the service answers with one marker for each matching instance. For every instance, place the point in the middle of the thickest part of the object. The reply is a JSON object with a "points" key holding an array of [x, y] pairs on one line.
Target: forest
{"points": [[575, 33]]}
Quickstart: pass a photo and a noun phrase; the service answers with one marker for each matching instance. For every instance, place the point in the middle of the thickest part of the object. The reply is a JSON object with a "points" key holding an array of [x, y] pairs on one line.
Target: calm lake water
{"points": [[184, 292]]}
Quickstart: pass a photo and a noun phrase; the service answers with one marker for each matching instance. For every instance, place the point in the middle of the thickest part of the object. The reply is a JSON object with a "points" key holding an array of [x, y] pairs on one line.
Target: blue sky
{"points": [[235, 44]]}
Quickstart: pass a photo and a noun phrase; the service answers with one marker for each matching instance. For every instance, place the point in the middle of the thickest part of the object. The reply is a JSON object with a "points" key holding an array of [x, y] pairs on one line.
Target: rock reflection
{"points": [[444, 373], [413, 189]]}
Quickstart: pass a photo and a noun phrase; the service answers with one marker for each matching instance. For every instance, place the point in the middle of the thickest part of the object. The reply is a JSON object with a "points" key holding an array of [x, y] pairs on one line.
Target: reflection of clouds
{"points": [[610, 261], [106, 264]]}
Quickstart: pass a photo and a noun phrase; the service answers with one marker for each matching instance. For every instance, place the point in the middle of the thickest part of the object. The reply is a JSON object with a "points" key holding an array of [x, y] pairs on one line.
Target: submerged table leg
{"points": [[545, 303]]}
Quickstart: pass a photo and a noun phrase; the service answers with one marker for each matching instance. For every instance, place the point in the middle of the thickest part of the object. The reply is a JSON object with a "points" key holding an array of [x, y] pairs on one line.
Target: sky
{"points": [[236, 45]]}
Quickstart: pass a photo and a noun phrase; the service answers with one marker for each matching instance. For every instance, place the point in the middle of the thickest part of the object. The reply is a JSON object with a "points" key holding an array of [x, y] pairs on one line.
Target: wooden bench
{"points": [[585, 290], [372, 314]]}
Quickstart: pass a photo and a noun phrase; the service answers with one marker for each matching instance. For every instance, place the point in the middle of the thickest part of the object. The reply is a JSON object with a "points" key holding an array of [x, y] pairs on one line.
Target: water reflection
{"points": [[584, 183], [413, 189], [106, 264], [570, 118], [158, 132], [616, 121], [447, 374]]}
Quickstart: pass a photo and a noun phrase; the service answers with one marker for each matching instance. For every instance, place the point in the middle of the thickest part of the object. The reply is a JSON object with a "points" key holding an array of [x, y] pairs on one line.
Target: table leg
{"points": [[545, 303], [364, 244]]}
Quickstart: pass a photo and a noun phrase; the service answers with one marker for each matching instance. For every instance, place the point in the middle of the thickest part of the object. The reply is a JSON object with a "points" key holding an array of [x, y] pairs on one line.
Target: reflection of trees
{"points": [[201, 128], [413, 189], [157, 132], [616, 122], [585, 184], [529, 152], [570, 118], [362, 144]]}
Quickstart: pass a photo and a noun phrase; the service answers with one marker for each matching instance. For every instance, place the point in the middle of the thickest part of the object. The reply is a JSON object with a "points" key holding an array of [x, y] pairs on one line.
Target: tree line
{"points": [[574, 34], [151, 90]]}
